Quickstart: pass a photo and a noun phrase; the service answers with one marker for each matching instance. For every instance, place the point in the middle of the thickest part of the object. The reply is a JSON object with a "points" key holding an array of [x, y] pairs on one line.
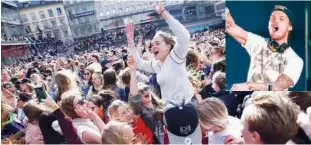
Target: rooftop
{"points": [[35, 3]]}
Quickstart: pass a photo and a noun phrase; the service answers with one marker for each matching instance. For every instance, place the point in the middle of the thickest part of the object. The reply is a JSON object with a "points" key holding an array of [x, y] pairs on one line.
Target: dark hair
{"points": [[192, 58], [96, 57], [118, 66], [110, 77], [302, 99], [24, 97], [33, 113], [220, 81], [92, 71], [95, 99], [107, 97], [218, 66]]}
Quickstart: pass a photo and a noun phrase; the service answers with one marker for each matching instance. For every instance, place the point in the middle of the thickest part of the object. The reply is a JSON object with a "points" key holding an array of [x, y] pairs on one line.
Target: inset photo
{"points": [[265, 45]]}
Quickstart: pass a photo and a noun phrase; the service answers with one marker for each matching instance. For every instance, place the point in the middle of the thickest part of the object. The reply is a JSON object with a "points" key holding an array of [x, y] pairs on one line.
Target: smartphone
{"points": [[40, 93], [202, 76]]}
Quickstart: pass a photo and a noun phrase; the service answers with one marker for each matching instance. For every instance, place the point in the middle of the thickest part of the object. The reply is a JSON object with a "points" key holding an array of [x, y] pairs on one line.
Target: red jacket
{"points": [[141, 128]]}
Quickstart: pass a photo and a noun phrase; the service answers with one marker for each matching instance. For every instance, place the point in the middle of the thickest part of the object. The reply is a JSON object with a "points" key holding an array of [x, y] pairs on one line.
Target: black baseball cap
{"points": [[182, 123], [288, 12]]}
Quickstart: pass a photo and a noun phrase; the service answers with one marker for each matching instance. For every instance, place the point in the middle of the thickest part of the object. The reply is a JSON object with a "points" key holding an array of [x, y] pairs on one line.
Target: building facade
{"points": [[82, 17], [46, 19], [111, 14], [11, 24]]}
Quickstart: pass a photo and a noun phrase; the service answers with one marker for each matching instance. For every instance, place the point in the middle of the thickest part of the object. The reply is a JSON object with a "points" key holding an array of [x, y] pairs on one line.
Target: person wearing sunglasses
{"points": [[87, 81], [145, 104]]}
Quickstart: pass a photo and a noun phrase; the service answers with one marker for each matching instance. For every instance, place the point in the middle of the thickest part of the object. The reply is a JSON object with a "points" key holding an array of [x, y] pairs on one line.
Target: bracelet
{"points": [[162, 12], [55, 107]]}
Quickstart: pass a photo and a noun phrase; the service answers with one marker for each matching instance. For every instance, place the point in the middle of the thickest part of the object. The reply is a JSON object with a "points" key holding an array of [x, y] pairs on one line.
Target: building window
{"points": [[127, 9], [51, 13], [35, 27], [26, 5], [101, 13], [113, 11], [65, 31], [120, 10], [62, 21], [56, 33], [42, 15], [77, 9], [27, 29], [108, 13], [45, 24], [139, 7], [133, 8], [146, 5], [24, 17], [33, 16], [84, 9], [59, 11], [53, 22]]}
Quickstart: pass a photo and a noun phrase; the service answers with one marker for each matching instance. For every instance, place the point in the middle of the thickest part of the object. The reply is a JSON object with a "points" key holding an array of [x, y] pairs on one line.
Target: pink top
{"points": [[33, 134]]}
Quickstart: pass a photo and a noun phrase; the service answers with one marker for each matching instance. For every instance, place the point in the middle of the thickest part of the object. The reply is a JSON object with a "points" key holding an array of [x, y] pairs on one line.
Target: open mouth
{"points": [[275, 28], [146, 96], [156, 53]]}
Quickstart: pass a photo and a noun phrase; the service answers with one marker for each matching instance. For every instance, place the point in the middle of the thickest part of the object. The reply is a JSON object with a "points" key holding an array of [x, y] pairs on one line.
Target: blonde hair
{"points": [[273, 116], [125, 77], [65, 81], [6, 110], [213, 111], [112, 109], [114, 131]]}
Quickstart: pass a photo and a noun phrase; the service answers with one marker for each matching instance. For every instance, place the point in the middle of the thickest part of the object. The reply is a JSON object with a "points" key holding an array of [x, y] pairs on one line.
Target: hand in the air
{"points": [[129, 29], [158, 7], [131, 63]]}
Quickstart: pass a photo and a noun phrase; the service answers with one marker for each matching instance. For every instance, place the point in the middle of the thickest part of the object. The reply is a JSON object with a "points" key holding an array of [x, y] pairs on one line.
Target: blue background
{"points": [[253, 16]]}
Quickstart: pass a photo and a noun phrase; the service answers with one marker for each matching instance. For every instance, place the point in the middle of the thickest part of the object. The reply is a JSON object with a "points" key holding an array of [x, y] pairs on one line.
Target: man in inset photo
{"points": [[274, 64]]}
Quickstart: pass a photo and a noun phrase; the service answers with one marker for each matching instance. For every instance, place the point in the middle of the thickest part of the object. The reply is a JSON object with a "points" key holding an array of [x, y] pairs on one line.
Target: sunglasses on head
{"points": [[143, 90], [87, 74]]}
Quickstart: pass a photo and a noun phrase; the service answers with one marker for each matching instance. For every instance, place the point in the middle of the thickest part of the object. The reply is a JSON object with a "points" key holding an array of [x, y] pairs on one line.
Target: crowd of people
{"points": [[162, 89]]}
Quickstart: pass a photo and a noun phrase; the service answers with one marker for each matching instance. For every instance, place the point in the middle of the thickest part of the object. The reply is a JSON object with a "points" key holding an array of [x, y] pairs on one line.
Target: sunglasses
{"points": [[87, 74], [143, 90], [81, 102]]}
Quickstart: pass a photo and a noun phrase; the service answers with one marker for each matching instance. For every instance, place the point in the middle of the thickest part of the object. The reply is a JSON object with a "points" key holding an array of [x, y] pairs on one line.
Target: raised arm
{"points": [[147, 66], [234, 30], [135, 98], [183, 36]]}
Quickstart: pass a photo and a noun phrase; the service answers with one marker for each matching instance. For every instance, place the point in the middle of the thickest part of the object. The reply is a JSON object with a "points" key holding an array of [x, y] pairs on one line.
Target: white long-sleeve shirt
{"points": [[172, 75]]}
